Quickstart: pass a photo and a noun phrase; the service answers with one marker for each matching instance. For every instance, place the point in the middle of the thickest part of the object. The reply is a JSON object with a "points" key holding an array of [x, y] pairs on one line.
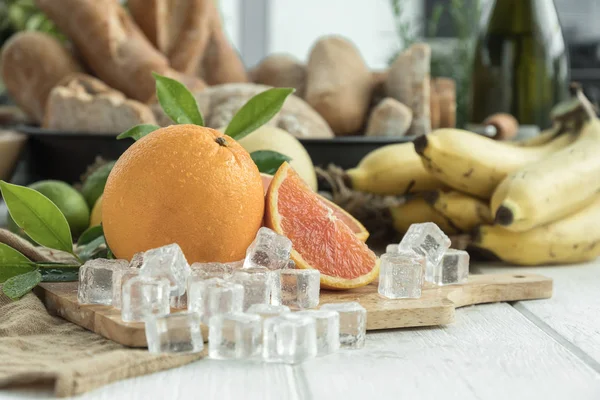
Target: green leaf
{"points": [[88, 251], [268, 161], [177, 101], [56, 272], [138, 131], [8, 255], [90, 234], [39, 217], [8, 271], [20, 285], [257, 112]]}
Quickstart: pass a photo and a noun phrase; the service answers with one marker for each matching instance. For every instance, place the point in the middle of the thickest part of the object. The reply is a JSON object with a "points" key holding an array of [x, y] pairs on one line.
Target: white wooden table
{"points": [[542, 349]]}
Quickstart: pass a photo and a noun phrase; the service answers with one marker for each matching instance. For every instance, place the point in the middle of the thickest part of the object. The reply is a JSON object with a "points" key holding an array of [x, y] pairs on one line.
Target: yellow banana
{"points": [[559, 185], [416, 211], [573, 239], [463, 211], [475, 164], [392, 170]]}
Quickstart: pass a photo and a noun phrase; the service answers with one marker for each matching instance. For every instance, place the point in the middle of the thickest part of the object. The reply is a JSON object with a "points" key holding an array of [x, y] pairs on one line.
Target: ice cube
{"points": [[235, 265], [119, 278], [353, 323], [174, 333], [214, 297], [392, 248], [401, 275], [328, 329], [428, 240], [454, 268], [169, 262], [297, 288], [179, 302], [257, 283], [137, 260], [234, 336], [144, 296], [269, 249], [268, 310], [96, 280], [289, 338], [211, 270]]}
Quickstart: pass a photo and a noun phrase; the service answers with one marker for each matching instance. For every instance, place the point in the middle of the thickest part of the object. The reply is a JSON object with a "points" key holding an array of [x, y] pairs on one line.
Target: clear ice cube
{"points": [[353, 323], [269, 249], [328, 329], [401, 275], [214, 297], [392, 248], [211, 270], [96, 280], [143, 297], [119, 278], [428, 240], [257, 284], [297, 288], [174, 333], [289, 338], [268, 310], [179, 302], [234, 336], [137, 260], [169, 262], [454, 268]]}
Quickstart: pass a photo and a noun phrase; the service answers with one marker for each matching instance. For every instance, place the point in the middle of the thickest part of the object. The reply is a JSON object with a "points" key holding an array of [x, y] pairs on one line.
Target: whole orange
{"points": [[183, 184]]}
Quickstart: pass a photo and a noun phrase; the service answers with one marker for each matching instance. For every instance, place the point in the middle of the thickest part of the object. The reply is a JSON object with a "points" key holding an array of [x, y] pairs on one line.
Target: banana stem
{"points": [[588, 107]]}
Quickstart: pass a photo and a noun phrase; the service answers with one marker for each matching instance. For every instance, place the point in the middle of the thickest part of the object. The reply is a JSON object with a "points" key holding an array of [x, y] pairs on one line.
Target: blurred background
{"points": [[372, 79]]}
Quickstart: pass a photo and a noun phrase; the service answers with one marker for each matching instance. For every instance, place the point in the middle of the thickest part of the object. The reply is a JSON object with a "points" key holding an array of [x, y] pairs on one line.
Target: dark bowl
{"points": [[347, 151], [66, 156]]}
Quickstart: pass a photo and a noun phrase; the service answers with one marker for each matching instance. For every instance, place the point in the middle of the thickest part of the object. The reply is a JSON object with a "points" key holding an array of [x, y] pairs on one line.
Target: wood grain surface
{"points": [[435, 307]]}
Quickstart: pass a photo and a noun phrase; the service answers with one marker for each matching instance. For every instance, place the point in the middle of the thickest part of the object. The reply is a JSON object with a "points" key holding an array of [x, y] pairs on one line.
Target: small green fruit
{"points": [[68, 200], [93, 187]]}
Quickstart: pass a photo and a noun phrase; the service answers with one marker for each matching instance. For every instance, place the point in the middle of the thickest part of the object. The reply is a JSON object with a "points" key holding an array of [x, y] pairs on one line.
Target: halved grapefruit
{"points": [[321, 240], [359, 230]]}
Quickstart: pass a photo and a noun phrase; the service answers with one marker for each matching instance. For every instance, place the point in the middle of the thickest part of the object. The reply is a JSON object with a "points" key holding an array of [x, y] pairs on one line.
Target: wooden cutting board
{"points": [[435, 307]]}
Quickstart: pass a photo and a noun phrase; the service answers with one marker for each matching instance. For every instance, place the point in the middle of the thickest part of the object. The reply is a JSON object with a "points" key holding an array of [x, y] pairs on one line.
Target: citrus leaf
{"points": [[138, 131], [10, 270], [8, 255], [56, 272], [257, 112], [38, 216], [90, 234], [88, 251], [177, 101], [268, 161], [18, 286]]}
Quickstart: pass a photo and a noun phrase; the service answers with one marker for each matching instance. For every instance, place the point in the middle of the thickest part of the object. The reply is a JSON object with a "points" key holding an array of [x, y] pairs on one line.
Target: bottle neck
{"points": [[519, 17]]}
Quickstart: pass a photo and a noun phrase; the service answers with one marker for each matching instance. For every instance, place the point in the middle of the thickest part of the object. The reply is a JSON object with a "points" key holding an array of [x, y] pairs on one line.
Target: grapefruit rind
{"points": [[273, 221]]}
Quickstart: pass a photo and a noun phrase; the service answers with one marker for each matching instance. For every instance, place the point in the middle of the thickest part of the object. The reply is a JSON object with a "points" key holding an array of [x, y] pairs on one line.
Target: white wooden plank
{"points": [[574, 309], [205, 379], [491, 352]]}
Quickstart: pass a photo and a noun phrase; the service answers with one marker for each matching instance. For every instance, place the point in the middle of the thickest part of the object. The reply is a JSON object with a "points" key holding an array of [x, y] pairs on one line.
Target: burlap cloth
{"points": [[36, 347]]}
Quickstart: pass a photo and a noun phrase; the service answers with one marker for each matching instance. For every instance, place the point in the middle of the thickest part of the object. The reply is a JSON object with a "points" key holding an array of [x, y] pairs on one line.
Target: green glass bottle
{"points": [[520, 64]]}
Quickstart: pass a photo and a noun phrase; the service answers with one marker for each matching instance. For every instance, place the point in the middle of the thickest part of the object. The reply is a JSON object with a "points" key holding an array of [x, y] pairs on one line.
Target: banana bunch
{"points": [[529, 202]]}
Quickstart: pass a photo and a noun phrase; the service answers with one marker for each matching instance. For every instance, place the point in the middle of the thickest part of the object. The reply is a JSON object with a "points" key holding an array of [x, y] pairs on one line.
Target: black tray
{"points": [[65, 156]]}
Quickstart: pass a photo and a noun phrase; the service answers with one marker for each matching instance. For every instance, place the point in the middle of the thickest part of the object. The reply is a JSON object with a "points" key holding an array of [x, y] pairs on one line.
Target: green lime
{"points": [[93, 186], [67, 199]]}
